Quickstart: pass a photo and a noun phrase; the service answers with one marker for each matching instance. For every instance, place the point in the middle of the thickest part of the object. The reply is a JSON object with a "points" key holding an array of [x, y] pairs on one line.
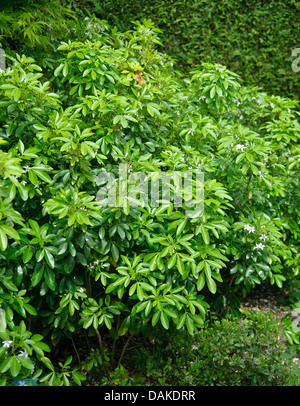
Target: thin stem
{"points": [[115, 340], [87, 340], [88, 284], [231, 280], [114, 345], [78, 357], [102, 350], [124, 348], [29, 323], [99, 341]]}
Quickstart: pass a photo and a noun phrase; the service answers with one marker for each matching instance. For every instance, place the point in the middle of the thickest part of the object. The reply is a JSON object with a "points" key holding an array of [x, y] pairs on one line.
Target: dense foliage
{"points": [[253, 38], [239, 352], [28, 24], [71, 266]]}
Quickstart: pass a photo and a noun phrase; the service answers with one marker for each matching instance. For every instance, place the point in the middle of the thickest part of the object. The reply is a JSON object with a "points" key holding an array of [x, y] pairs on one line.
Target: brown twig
{"points": [[74, 346], [124, 348], [99, 341]]}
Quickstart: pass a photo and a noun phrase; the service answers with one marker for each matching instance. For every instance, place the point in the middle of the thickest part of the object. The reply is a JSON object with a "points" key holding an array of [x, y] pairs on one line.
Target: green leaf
{"points": [[32, 177], [180, 265], [207, 269], [124, 326], [181, 227], [205, 235], [164, 319], [3, 240], [37, 276], [9, 285], [40, 255], [27, 255], [58, 69], [65, 70], [26, 362], [102, 233], [72, 219], [121, 232], [181, 321], [211, 284], [43, 175], [2, 320], [126, 207], [50, 278], [88, 322], [155, 318], [172, 261], [15, 367], [201, 281], [115, 252], [240, 157], [190, 324], [6, 364], [49, 259], [30, 309], [148, 308], [78, 377], [11, 232], [23, 191]]}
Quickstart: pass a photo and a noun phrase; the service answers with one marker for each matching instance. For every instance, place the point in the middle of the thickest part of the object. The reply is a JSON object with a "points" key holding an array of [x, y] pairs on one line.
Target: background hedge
{"points": [[254, 38]]}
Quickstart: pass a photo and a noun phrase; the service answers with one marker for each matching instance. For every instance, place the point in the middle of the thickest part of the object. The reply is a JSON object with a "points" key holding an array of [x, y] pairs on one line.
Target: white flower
{"points": [[23, 354], [23, 382], [6, 343], [249, 228], [259, 246], [263, 237], [272, 105], [240, 146]]}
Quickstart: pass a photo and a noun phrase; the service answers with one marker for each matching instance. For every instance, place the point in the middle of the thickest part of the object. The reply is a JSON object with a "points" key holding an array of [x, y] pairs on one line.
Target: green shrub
{"points": [[33, 23], [253, 38], [240, 352], [71, 265]]}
